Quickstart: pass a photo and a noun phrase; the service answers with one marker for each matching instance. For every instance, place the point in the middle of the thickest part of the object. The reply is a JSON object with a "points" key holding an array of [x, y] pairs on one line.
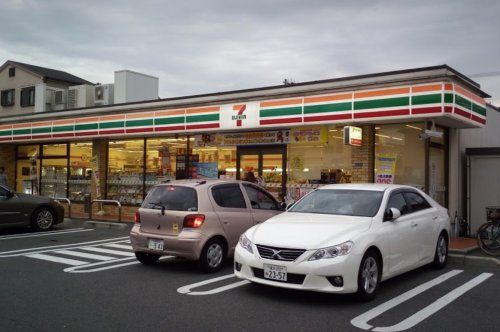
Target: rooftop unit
{"points": [[131, 86], [80, 96], [104, 94]]}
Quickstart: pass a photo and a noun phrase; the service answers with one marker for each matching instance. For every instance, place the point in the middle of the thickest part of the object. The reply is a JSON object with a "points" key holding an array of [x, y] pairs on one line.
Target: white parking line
{"points": [[84, 268], [26, 235], [108, 251], [84, 255], [118, 246], [187, 289], [49, 258], [361, 321]]}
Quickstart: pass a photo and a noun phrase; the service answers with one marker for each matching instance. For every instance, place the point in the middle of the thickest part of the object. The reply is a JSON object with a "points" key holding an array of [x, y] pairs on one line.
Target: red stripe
{"points": [[27, 137], [171, 128], [328, 117], [63, 135], [140, 130], [5, 138], [203, 126], [86, 133], [426, 110], [111, 131], [462, 113], [279, 121], [381, 113], [448, 109], [478, 119]]}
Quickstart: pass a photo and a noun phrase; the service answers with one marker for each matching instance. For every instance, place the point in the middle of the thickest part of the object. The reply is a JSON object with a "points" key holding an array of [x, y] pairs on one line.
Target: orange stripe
{"points": [[87, 120], [170, 112], [319, 99], [5, 127], [21, 125], [209, 109], [424, 88], [478, 99], [141, 115], [448, 87], [237, 107], [62, 122], [380, 93], [112, 117], [462, 91], [281, 102], [41, 124]]}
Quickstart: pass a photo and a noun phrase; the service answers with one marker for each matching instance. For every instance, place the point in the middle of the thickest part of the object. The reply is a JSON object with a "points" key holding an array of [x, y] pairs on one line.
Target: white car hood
{"points": [[307, 230]]}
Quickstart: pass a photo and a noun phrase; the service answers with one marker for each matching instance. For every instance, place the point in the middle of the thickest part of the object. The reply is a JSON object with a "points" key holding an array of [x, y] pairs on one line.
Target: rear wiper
{"points": [[160, 206]]}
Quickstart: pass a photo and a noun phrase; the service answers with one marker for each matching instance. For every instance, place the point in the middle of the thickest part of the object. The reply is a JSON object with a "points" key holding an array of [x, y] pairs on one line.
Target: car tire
{"points": [[147, 258], [212, 256], [369, 274], [441, 253], [43, 219]]}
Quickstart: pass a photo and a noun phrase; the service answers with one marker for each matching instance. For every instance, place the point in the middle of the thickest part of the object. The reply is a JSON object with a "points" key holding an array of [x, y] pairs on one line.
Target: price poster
{"points": [[385, 168]]}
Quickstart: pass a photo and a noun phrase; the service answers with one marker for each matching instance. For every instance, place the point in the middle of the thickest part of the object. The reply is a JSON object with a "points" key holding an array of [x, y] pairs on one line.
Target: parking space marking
{"points": [[119, 246], [187, 289], [361, 321], [85, 268], [56, 259], [84, 255], [109, 251], [60, 232]]}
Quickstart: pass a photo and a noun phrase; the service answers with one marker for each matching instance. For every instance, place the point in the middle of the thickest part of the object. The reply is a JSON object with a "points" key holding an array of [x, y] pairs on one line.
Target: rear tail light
{"points": [[137, 217], [193, 220]]}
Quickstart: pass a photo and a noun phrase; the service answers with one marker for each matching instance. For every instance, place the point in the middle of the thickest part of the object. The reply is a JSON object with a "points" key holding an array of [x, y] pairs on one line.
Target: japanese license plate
{"points": [[155, 244], [275, 272]]}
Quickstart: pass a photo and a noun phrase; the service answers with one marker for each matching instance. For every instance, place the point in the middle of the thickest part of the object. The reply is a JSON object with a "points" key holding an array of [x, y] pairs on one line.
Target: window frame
{"points": [[12, 71], [28, 90], [410, 208], [3, 97], [276, 204], [399, 192], [212, 188]]}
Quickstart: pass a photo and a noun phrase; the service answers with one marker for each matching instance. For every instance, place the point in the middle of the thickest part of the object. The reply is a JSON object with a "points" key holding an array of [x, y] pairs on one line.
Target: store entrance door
{"points": [[264, 162]]}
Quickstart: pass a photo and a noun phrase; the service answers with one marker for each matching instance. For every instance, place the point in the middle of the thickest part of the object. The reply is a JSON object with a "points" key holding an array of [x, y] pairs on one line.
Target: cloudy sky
{"points": [[206, 46]]}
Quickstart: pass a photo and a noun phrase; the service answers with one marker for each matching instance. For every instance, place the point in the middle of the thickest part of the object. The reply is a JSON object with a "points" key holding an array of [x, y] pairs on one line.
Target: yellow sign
{"points": [[385, 168], [305, 135]]}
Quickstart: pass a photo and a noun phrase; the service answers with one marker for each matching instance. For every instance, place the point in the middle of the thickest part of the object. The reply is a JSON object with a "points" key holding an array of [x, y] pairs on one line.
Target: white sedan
{"points": [[346, 238]]}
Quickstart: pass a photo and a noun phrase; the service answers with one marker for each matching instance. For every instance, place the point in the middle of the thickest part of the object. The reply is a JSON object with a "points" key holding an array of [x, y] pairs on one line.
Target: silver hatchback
{"points": [[199, 220]]}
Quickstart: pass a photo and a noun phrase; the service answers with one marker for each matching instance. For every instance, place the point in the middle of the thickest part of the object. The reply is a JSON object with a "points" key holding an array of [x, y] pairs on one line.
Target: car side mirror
{"points": [[289, 206], [282, 206], [392, 214]]}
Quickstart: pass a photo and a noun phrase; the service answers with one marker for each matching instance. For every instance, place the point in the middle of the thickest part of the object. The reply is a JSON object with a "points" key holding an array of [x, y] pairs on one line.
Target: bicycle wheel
{"points": [[488, 238]]}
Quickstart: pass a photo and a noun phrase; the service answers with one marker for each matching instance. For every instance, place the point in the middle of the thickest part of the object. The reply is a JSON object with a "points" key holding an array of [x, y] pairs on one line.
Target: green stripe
{"points": [[478, 109], [381, 103], [448, 98], [203, 118], [87, 126], [115, 124], [22, 131], [459, 100], [41, 130], [63, 128], [426, 99], [338, 107], [6, 133], [264, 113], [139, 123], [167, 121]]}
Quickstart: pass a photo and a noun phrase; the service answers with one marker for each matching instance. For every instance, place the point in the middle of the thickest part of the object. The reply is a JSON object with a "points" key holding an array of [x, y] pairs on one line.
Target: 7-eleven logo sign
{"points": [[239, 117]]}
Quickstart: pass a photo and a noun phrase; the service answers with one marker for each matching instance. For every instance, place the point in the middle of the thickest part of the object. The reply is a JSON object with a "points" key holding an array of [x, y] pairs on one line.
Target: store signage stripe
{"points": [[202, 118], [478, 119], [112, 118], [448, 98], [381, 103], [172, 120], [87, 120], [324, 108], [114, 124], [320, 99], [111, 131], [137, 123], [426, 88], [281, 102], [363, 115], [22, 131], [140, 130], [461, 101], [448, 109], [426, 99], [41, 130], [5, 138], [87, 126], [462, 113], [265, 113], [40, 124], [140, 115], [209, 109], [86, 133], [280, 121], [6, 133], [37, 136], [169, 113], [63, 135], [478, 109], [63, 128], [170, 128], [448, 87], [427, 110], [3, 127], [332, 117], [381, 93], [202, 126]]}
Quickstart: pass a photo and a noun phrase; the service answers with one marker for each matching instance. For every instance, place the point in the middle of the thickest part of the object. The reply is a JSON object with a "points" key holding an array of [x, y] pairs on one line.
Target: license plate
{"points": [[275, 272], [155, 244]]}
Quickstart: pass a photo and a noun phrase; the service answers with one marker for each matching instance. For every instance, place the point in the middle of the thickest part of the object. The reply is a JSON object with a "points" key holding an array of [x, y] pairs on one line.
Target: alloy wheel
{"points": [[441, 250], [44, 219], [369, 277], [214, 255]]}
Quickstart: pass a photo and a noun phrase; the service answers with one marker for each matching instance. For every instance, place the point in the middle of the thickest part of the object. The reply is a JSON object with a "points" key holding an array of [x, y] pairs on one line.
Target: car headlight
{"points": [[332, 252], [246, 243]]}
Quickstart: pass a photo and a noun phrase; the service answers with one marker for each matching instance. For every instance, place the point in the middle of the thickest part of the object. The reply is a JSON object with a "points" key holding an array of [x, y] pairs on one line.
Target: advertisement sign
{"points": [[353, 136], [207, 171], [385, 168], [306, 135], [96, 176], [239, 116], [246, 138]]}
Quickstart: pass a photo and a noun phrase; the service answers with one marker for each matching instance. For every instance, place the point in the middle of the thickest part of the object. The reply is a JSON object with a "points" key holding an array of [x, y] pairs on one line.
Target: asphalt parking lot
{"points": [[82, 278]]}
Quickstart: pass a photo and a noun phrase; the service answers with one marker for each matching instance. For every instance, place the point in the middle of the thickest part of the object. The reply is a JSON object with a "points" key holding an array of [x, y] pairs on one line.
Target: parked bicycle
{"points": [[488, 235]]}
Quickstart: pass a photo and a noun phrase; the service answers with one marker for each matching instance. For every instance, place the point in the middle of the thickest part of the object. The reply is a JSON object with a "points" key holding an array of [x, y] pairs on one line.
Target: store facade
{"points": [[292, 138]]}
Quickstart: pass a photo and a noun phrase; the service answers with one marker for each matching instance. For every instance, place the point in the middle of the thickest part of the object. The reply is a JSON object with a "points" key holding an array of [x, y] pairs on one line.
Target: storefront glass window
{"points": [[214, 159], [80, 171], [54, 177], [28, 164], [125, 171], [400, 154], [55, 150]]}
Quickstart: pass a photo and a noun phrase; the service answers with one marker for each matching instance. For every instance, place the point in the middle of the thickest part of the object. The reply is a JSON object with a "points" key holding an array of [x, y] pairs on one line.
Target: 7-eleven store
{"points": [[291, 135]]}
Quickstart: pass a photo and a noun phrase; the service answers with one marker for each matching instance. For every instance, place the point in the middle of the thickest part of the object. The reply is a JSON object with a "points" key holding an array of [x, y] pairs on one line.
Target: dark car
{"points": [[39, 212]]}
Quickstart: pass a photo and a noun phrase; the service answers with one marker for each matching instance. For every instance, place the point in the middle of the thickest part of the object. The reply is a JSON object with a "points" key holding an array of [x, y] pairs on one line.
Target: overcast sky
{"points": [[209, 46]]}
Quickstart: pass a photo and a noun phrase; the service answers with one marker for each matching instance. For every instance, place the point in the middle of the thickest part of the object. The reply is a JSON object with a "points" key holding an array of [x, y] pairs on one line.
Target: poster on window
{"points": [[207, 171], [385, 168]]}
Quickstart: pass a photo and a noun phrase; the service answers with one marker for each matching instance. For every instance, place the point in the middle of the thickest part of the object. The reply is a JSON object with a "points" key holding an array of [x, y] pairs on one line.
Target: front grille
{"points": [[291, 278], [279, 254]]}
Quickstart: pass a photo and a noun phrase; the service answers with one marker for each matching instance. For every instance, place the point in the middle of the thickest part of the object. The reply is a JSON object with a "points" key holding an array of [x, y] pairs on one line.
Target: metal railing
{"points": [[107, 201], [66, 200]]}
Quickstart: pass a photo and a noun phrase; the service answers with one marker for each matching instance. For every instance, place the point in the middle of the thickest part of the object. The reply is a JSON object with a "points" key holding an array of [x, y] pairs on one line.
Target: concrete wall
{"points": [[131, 87], [22, 79]]}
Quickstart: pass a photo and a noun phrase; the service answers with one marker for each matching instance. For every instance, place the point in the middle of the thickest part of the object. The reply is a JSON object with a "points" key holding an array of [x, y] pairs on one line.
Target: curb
{"points": [[105, 224], [464, 260], [463, 251]]}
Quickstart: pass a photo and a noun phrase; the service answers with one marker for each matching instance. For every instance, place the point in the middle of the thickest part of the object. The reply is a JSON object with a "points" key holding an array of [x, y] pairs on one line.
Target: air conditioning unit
{"points": [[103, 94], [80, 96], [58, 100]]}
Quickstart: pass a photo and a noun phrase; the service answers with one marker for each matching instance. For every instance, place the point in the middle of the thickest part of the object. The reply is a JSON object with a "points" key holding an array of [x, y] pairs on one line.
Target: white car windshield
{"points": [[360, 203]]}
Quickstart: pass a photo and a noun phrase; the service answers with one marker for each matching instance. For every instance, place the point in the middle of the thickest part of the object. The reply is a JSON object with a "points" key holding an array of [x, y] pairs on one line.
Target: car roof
{"points": [[198, 182], [365, 186]]}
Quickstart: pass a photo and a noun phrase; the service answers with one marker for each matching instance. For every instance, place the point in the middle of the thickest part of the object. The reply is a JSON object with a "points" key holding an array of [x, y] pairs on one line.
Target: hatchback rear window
{"points": [[175, 198]]}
